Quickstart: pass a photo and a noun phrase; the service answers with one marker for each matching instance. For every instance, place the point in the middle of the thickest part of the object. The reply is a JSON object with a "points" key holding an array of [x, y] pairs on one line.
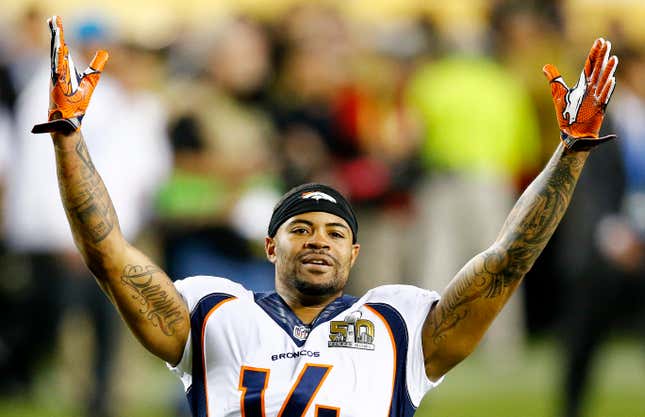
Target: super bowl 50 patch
{"points": [[353, 332]]}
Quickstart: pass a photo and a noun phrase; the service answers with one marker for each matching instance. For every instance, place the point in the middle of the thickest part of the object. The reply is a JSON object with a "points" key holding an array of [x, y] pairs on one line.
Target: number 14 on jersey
{"points": [[254, 381]]}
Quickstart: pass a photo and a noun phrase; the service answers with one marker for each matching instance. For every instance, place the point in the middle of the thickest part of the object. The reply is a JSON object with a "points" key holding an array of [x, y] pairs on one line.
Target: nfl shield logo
{"points": [[300, 332]]}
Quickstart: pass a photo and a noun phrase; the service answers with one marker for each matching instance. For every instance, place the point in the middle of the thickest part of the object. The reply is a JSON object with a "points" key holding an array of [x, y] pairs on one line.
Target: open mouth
{"points": [[316, 259]]}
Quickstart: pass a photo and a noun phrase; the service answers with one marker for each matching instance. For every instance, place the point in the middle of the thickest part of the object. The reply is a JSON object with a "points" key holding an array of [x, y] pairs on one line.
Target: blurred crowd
{"points": [[432, 134]]}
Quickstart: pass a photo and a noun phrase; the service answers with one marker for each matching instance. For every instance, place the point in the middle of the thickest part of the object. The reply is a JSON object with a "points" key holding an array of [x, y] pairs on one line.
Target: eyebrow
{"points": [[337, 225], [308, 223]]}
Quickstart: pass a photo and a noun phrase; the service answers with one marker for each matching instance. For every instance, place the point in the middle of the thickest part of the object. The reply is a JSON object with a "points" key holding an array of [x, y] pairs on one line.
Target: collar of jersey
{"points": [[284, 317]]}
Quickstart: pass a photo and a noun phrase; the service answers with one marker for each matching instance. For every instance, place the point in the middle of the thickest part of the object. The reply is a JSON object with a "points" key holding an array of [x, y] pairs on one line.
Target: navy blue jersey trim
{"points": [[196, 394], [189, 396], [402, 405], [281, 313]]}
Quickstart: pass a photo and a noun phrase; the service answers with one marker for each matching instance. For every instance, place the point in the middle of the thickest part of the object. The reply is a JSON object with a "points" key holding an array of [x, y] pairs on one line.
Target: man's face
{"points": [[312, 253]]}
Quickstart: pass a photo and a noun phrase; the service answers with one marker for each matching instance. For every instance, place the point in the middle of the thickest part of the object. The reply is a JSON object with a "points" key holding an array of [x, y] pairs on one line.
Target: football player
{"points": [[307, 349]]}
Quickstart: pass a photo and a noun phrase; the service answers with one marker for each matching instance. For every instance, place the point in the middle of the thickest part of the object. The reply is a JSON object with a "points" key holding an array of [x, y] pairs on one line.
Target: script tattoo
{"points": [[495, 273], [156, 304], [89, 205]]}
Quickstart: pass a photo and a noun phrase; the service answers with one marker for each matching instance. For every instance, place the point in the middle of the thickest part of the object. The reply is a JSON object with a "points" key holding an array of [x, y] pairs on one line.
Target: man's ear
{"points": [[356, 248], [269, 249]]}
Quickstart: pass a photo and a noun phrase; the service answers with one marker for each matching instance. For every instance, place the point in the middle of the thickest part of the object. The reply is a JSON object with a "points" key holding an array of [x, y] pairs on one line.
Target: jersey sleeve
{"points": [[193, 290], [413, 304]]}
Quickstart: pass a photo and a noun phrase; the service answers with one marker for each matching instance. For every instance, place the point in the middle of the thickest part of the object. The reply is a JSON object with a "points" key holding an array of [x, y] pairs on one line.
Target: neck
{"points": [[306, 307]]}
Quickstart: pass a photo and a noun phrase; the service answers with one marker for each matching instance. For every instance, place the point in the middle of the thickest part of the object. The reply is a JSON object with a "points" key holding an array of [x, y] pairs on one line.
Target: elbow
{"points": [[509, 260], [100, 260]]}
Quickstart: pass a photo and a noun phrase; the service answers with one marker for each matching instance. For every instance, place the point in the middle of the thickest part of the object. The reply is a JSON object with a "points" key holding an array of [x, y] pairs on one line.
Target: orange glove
{"points": [[581, 109], [69, 91]]}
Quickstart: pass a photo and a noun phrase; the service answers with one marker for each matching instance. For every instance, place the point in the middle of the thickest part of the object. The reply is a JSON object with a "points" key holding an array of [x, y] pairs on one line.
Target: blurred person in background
{"points": [[25, 47], [605, 274], [14, 293], [21, 46], [313, 60], [224, 170], [33, 223], [524, 35], [480, 135], [19, 356], [345, 122], [382, 176]]}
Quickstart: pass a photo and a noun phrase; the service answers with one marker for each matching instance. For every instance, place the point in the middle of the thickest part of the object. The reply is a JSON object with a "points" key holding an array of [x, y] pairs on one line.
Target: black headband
{"points": [[312, 197]]}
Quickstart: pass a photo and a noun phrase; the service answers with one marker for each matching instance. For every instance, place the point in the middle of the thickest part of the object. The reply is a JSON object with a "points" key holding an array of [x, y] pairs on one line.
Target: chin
{"points": [[318, 288]]}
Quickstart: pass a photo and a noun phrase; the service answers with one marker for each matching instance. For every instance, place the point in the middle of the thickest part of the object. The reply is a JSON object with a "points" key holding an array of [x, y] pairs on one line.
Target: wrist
{"points": [[66, 140], [582, 142], [579, 154]]}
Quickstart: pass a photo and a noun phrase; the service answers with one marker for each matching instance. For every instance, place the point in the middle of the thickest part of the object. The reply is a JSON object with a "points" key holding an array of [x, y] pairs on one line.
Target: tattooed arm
{"points": [[479, 291], [142, 292]]}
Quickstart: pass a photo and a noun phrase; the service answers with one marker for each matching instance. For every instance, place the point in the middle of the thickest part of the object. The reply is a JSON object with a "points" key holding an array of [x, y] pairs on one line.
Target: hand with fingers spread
{"points": [[580, 110], [70, 92]]}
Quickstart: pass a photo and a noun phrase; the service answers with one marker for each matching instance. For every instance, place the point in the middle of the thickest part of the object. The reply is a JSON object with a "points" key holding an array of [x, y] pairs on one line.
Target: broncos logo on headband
{"points": [[318, 195]]}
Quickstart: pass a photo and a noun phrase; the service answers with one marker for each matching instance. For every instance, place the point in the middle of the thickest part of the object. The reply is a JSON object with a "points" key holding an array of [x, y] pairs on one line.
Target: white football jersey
{"points": [[249, 355]]}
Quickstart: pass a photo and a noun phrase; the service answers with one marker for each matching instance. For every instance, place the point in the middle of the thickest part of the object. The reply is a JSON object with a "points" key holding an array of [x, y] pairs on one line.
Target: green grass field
{"points": [[530, 389], [476, 388]]}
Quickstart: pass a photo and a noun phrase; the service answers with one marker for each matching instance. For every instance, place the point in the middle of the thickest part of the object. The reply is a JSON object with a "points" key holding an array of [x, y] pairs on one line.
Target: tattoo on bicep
{"points": [[157, 305], [482, 277]]}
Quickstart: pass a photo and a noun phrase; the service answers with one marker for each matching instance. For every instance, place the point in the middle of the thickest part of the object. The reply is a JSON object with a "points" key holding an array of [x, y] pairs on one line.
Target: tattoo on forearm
{"points": [[156, 303], [93, 210], [83, 153], [495, 273], [536, 216], [87, 201]]}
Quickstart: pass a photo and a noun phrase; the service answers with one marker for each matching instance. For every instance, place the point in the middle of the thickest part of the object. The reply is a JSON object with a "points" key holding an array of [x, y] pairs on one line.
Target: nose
{"points": [[317, 241]]}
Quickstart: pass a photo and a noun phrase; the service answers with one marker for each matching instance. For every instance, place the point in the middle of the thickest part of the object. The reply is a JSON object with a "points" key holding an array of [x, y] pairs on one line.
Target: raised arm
{"points": [[475, 296], [141, 291]]}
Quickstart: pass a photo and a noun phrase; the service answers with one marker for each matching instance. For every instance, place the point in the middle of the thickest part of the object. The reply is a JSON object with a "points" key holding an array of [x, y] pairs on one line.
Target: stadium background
{"points": [[161, 36]]}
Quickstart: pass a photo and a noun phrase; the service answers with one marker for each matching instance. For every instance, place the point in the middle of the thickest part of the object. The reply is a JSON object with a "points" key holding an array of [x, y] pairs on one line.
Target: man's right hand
{"points": [[70, 92], [581, 109]]}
